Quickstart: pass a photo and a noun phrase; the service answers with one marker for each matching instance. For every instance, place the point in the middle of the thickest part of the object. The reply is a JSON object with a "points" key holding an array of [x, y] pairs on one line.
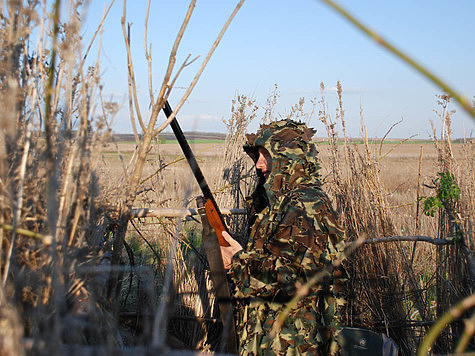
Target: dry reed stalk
{"points": [[235, 164], [193, 288], [463, 101], [453, 279], [374, 274], [149, 129], [57, 195], [270, 106], [133, 185]]}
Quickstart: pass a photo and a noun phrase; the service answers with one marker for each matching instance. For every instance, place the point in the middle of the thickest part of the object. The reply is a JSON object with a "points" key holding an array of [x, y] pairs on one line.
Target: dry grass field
{"points": [[398, 164], [80, 274], [398, 172]]}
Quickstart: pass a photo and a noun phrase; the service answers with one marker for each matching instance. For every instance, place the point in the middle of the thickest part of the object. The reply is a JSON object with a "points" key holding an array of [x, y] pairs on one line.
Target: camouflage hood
{"points": [[294, 157]]}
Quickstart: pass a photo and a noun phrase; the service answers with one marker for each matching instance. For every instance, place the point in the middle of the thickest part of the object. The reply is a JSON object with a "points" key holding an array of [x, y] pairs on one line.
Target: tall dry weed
{"points": [[390, 291], [375, 274], [49, 138], [454, 277]]}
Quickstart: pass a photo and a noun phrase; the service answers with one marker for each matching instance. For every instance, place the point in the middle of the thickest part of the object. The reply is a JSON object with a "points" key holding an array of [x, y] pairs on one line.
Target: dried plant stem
{"points": [[463, 101], [18, 207], [160, 320], [46, 239], [449, 316], [467, 335], [200, 71], [178, 213], [131, 79], [50, 86], [148, 54], [428, 239], [386, 134], [52, 203], [417, 202], [65, 191], [101, 24]]}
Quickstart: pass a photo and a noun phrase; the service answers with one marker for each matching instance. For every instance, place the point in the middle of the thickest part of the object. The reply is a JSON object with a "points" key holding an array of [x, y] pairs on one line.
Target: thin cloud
{"points": [[331, 90], [348, 91], [206, 117]]}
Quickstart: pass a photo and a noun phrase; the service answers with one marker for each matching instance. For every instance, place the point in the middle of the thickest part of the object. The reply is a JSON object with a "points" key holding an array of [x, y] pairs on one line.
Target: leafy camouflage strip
{"points": [[295, 236]]}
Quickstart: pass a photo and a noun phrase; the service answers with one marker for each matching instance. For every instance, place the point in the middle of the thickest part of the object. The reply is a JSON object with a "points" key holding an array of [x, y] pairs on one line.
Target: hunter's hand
{"points": [[228, 252]]}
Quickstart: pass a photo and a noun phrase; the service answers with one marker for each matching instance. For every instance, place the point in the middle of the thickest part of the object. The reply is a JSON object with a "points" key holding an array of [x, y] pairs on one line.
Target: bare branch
{"points": [[19, 205], [177, 213], [131, 93], [171, 63], [148, 54], [185, 64], [428, 239], [101, 24], [387, 133], [131, 72], [397, 145], [200, 71]]}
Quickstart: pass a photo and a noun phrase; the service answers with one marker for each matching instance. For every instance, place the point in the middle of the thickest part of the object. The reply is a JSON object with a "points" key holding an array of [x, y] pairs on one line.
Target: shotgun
{"points": [[212, 210], [211, 217]]}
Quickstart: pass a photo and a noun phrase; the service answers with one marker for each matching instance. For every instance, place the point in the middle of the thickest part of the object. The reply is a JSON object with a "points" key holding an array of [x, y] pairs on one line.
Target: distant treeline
{"points": [[196, 135], [168, 136]]}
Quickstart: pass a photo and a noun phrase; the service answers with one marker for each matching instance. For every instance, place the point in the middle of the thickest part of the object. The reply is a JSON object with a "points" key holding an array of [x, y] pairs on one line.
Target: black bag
{"points": [[364, 342]]}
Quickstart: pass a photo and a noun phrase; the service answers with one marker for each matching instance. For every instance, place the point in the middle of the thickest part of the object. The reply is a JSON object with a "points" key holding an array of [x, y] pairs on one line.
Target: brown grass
{"points": [[76, 272]]}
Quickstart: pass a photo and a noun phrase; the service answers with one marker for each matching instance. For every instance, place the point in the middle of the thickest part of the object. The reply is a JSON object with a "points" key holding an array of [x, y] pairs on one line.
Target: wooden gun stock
{"points": [[216, 222]]}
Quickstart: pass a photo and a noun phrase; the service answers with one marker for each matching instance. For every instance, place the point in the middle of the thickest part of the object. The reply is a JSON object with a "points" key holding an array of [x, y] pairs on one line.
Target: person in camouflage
{"points": [[293, 235]]}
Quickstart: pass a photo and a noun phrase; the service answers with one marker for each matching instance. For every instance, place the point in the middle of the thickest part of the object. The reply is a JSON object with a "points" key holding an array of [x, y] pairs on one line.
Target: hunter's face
{"points": [[264, 162]]}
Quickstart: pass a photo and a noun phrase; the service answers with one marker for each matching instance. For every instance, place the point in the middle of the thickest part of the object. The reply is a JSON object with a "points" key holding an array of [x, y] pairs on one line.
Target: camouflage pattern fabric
{"points": [[294, 234]]}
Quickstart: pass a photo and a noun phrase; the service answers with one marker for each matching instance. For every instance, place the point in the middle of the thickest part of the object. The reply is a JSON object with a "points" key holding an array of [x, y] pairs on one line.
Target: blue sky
{"points": [[297, 45]]}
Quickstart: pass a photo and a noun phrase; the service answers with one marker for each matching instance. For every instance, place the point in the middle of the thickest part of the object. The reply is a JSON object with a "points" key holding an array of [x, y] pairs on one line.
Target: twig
{"points": [[46, 239], [95, 33], [463, 101], [148, 55], [428, 239], [130, 254], [184, 65], [157, 256], [200, 71], [177, 213], [397, 145], [19, 205], [417, 202], [451, 314], [387, 133], [467, 335], [131, 73]]}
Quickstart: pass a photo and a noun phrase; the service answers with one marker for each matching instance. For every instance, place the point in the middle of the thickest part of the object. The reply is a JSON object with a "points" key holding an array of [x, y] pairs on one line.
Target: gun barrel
{"points": [[190, 157]]}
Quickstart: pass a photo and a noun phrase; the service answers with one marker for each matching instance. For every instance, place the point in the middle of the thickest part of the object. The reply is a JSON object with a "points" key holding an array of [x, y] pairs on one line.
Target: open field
{"points": [[399, 164], [81, 273], [167, 182]]}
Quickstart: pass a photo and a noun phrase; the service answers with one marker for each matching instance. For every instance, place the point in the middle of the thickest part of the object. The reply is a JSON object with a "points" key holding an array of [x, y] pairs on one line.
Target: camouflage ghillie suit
{"points": [[293, 235]]}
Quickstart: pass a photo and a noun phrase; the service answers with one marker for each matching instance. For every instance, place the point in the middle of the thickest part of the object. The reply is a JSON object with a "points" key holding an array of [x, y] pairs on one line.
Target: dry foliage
{"points": [[77, 271]]}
